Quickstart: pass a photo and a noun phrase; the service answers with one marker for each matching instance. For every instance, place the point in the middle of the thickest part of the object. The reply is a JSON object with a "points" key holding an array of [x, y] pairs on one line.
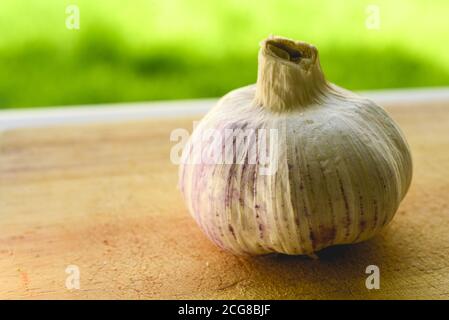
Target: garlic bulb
{"points": [[294, 163]]}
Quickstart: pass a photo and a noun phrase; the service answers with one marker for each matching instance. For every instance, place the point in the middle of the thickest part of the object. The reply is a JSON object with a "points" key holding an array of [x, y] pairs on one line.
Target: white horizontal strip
{"points": [[404, 96], [38, 117]]}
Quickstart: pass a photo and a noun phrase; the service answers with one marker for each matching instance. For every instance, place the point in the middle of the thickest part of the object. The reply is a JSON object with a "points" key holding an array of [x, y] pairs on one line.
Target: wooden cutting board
{"points": [[103, 199]]}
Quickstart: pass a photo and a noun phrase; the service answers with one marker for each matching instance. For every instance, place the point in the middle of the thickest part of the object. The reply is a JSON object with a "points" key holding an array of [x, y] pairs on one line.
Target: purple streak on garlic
{"points": [[341, 164]]}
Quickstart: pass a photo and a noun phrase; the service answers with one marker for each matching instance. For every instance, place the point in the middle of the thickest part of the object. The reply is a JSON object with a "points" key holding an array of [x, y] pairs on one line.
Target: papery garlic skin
{"points": [[342, 164]]}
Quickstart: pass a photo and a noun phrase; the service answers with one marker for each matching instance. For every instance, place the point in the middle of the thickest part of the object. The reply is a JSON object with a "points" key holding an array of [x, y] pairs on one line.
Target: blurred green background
{"points": [[143, 50]]}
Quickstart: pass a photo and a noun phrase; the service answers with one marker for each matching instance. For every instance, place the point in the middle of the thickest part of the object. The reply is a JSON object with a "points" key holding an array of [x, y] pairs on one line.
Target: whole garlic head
{"points": [[294, 163]]}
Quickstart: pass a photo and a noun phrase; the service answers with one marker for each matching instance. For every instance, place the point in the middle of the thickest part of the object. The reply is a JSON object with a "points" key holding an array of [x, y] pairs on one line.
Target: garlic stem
{"points": [[289, 75]]}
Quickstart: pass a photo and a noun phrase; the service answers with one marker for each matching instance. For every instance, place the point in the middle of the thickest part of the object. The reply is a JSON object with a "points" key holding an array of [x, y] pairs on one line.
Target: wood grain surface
{"points": [[104, 198]]}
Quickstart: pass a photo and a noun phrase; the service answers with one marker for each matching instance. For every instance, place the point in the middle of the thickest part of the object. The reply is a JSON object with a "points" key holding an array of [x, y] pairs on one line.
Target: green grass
{"points": [[153, 50]]}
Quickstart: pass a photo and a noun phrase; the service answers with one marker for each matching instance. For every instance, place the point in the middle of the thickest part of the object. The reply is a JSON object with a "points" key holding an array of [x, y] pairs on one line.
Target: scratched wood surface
{"points": [[104, 198]]}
